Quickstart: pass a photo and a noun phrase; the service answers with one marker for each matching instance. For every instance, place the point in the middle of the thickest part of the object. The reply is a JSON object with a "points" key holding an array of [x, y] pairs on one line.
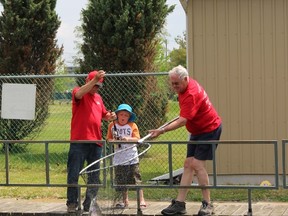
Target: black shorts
{"points": [[203, 151]]}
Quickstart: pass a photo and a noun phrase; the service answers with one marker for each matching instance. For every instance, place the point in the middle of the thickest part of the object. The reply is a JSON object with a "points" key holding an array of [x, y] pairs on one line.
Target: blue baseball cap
{"points": [[127, 108]]}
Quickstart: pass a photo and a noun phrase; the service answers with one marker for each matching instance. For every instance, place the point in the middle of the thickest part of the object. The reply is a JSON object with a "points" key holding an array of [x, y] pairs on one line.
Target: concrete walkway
{"points": [[57, 207]]}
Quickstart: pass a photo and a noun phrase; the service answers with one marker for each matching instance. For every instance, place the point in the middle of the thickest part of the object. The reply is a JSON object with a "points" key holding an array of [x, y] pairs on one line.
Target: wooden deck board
{"points": [[19, 207]]}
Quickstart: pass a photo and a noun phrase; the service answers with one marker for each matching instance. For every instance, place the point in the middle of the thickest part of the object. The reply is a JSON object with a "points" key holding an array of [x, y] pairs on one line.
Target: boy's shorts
{"points": [[203, 151], [127, 175]]}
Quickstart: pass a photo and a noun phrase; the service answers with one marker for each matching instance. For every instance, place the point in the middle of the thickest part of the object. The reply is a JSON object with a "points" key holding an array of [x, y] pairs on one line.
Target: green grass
{"points": [[59, 118], [29, 166]]}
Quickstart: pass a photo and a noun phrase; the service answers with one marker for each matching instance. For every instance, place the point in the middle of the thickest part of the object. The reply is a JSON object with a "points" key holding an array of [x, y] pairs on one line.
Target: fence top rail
{"points": [[83, 75], [151, 142]]}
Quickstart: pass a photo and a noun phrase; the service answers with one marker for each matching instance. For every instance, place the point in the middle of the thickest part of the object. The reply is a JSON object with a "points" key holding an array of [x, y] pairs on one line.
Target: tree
{"points": [[178, 56], [62, 86], [122, 36], [28, 46], [161, 58]]}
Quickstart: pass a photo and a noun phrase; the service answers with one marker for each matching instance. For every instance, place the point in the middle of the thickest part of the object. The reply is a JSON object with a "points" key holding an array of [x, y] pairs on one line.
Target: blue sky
{"points": [[69, 13]]}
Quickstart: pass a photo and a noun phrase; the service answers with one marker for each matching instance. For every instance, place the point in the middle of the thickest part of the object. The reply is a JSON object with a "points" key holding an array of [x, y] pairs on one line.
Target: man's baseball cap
{"points": [[91, 75], [127, 108]]}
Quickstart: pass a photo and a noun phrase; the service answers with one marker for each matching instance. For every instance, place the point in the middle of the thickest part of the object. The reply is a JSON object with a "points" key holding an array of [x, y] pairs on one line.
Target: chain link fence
{"points": [[148, 93]]}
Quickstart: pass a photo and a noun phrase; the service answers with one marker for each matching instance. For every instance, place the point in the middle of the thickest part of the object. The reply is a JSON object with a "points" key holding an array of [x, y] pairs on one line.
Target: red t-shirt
{"points": [[87, 114], [196, 107]]}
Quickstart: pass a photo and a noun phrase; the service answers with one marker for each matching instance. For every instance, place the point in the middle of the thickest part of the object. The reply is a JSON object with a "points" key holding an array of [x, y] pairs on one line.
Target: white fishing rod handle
{"points": [[140, 141], [162, 126]]}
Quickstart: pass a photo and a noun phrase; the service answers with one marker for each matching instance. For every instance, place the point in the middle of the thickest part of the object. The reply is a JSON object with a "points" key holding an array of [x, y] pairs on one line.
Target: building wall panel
{"points": [[237, 49]]}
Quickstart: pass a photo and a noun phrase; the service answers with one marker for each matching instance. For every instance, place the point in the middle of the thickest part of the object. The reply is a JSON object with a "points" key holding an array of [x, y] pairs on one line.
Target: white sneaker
{"points": [[206, 209]]}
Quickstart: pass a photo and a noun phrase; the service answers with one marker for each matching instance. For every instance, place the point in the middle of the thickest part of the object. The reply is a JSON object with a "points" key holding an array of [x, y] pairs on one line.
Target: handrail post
{"points": [[170, 163], [276, 164], [47, 162], [284, 162], [6, 146], [139, 210], [79, 196], [249, 213], [104, 164], [214, 165]]}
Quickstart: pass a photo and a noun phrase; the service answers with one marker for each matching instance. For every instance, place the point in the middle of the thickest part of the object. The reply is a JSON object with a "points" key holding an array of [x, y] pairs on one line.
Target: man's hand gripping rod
{"points": [[140, 141]]}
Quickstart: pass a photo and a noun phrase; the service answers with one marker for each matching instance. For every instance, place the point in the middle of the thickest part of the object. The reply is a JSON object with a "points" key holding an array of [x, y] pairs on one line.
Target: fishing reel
{"points": [[116, 135]]}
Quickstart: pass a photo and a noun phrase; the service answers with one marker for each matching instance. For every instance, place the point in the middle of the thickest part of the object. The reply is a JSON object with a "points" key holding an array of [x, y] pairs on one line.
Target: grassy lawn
{"points": [[29, 166]]}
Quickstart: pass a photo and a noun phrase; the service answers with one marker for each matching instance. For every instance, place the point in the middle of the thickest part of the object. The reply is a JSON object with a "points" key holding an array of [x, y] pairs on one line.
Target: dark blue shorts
{"points": [[203, 151]]}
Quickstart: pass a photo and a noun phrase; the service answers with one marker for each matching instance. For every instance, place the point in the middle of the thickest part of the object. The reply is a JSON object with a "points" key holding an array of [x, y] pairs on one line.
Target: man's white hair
{"points": [[180, 71]]}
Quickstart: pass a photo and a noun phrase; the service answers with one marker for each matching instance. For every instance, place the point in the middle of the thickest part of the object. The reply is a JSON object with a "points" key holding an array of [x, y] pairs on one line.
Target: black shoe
{"points": [[176, 207], [86, 208], [72, 207]]}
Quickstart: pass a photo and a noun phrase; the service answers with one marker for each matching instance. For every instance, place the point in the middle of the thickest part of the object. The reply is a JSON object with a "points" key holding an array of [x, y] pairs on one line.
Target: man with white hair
{"points": [[203, 123]]}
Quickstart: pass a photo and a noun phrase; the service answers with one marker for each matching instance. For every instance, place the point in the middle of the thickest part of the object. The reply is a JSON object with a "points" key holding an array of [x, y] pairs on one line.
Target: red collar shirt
{"points": [[87, 114], [196, 107]]}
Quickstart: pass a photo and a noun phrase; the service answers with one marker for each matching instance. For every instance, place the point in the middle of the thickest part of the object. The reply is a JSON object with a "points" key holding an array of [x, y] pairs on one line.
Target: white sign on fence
{"points": [[18, 101]]}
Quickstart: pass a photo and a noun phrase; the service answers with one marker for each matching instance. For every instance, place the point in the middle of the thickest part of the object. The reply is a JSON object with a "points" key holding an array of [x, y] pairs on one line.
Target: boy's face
{"points": [[123, 117]]}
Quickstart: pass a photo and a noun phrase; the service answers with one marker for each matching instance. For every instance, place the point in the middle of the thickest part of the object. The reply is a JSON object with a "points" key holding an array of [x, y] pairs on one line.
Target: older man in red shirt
{"points": [[203, 123]]}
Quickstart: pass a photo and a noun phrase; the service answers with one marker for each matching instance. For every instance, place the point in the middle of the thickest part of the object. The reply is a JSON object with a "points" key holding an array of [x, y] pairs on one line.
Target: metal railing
{"points": [[46, 143], [214, 174], [170, 146]]}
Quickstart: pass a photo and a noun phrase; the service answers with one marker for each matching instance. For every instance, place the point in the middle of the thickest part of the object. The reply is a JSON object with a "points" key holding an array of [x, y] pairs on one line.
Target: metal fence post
{"points": [[7, 161], [47, 163]]}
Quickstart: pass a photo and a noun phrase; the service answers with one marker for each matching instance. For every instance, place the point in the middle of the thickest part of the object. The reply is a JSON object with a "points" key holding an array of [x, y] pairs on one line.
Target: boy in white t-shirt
{"points": [[127, 161]]}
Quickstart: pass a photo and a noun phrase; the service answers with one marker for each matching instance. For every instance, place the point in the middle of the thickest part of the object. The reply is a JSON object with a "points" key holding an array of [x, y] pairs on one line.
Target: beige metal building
{"points": [[238, 50]]}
